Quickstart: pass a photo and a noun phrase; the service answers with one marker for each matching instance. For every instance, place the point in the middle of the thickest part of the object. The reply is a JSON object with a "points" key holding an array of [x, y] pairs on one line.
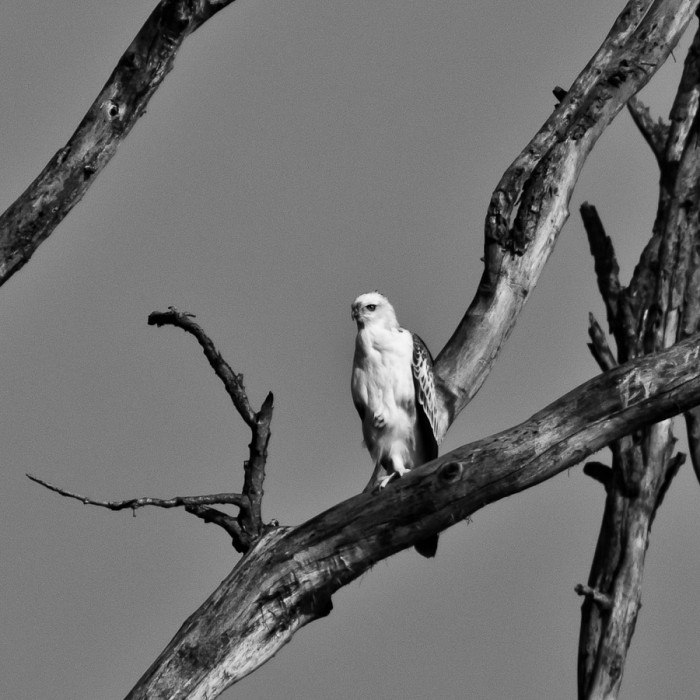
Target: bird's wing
{"points": [[424, 380]]}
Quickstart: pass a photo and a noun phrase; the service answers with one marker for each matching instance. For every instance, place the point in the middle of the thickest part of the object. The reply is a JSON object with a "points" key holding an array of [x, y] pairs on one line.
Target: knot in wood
{"points": [[450, 472], [114, 110]]}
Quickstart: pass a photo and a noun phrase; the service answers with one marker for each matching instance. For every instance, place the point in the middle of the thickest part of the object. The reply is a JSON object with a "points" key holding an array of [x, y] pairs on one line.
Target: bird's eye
{"points": [[371, 307]]}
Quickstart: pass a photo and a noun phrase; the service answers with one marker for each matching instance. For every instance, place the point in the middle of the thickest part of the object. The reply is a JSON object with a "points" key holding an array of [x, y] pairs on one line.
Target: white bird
{"points": [[393, 389]]}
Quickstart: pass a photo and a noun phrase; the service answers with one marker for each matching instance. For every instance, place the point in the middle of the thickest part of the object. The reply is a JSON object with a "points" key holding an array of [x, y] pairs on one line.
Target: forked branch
{"points": [[659, 306], [530, 204], [248, 525]]}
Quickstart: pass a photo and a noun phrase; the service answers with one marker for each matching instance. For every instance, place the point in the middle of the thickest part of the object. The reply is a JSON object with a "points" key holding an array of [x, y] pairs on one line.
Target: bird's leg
{"points": [[395, 468], [398, 466]]}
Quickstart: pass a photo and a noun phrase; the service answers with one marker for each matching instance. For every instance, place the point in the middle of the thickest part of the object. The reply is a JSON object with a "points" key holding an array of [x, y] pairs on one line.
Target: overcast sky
{"points": [[299, 154]]}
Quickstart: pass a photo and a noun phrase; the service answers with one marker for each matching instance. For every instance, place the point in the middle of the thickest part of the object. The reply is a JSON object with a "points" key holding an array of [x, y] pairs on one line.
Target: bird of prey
{"points": [[393, 389]]}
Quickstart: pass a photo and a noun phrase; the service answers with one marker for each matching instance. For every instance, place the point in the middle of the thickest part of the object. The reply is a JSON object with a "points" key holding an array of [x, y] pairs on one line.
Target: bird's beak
{"points": [[355, 313]]}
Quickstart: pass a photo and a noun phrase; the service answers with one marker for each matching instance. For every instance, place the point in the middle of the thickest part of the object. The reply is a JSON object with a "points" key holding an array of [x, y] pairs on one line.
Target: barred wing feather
{"points": [[426, 393]]}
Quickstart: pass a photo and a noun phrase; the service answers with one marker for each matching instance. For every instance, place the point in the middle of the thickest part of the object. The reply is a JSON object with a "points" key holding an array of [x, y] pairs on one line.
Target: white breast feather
{"points": [[383, 388]]}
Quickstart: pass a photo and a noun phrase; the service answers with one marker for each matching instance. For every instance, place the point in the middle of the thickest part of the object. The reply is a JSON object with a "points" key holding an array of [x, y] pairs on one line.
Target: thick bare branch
{"points": [[518, 241], [685, 106], [269, 595], [123, 99], [652, 313]]}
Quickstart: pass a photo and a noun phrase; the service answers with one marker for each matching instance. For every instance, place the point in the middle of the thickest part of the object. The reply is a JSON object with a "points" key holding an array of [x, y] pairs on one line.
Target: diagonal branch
{"points": [[269, 595], [530, 204], [598, 346], [225, 521], [33, 217], [233, 383], [655, 133]]}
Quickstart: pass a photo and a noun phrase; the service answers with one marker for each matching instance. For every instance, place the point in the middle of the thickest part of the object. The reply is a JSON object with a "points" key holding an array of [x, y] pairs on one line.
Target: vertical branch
{"points": [[651, 314]]}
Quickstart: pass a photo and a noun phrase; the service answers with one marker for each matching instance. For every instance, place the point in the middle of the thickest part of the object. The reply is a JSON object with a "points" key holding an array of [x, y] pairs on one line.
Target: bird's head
{"points": [[373, 309]]}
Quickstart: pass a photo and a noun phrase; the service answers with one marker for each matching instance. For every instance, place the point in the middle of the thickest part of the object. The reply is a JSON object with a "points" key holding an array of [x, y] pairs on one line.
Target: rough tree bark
{"points": [[287, 579], [36, 213], [660, 306], [288, 574]]}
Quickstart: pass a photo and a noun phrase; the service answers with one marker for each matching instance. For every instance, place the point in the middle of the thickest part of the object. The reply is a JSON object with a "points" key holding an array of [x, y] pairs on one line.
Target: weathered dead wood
{"points": [[36, 213], [249, 519], [659, 306], [288, 578], [530, 204], [655, 133], [248, 525]]}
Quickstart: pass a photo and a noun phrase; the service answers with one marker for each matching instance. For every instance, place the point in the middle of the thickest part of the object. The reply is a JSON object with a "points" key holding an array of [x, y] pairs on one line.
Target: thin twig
{"points": [[234, 499], [233, 383], [655, 133]]}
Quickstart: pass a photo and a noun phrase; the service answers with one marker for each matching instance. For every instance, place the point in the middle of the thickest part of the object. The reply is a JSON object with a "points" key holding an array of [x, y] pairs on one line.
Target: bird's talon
{"points": [[379, 421]]}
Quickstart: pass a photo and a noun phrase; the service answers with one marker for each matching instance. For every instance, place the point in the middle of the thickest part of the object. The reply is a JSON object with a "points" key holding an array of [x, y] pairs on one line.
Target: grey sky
{"points": [[301, 153]]}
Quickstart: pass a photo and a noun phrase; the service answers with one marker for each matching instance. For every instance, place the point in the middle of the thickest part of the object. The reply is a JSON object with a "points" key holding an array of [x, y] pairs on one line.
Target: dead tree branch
{"points": [[607, 269], [598, 346], [288, 577], [33, 217], [250, 519], [248, 525], [235, 499], [659, 306], [655, 133], [530, 204], [197, 505]]}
